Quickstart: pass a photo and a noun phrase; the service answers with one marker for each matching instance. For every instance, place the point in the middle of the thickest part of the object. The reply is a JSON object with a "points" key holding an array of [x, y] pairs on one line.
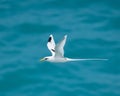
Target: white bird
{"points": [[58, 51]]}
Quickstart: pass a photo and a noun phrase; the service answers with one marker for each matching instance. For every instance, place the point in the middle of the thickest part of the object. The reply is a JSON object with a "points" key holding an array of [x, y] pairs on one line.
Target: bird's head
{"points": [[45, 59]]}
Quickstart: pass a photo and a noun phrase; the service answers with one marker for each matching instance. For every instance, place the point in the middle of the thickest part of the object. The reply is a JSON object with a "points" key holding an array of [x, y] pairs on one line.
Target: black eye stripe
{"points": [[46, 58]]}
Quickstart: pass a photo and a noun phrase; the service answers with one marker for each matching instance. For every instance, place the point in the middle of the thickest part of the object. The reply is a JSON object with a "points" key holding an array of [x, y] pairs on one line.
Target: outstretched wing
{"points": [[59, 48], [51, 45]]}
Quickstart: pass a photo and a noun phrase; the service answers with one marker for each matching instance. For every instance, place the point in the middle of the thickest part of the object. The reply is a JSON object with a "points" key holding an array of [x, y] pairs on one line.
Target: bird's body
{"points": [[58, 59], [57, 51]]}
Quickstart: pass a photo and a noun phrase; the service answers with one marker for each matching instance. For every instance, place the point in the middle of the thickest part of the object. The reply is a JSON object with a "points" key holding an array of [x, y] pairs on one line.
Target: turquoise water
{"points": [[93, 29]]}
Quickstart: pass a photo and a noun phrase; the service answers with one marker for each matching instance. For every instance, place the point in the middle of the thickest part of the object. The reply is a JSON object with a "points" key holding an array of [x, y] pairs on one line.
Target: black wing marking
{"points": [[50, 38], [53, 50]]}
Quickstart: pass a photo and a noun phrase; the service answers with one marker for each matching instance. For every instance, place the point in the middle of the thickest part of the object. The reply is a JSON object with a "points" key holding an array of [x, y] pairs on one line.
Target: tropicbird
{"points": [[57, 51]]}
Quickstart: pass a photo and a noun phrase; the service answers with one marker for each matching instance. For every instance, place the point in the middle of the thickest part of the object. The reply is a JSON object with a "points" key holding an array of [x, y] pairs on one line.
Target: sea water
{"points": [[93, 29]]}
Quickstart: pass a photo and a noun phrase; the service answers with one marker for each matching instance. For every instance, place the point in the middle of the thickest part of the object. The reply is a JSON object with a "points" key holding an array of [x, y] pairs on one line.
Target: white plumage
{"points": [[57, 51]]}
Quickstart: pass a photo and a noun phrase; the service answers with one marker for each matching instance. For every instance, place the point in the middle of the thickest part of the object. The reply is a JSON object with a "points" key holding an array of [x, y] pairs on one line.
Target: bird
{"points": [[57, 51]]}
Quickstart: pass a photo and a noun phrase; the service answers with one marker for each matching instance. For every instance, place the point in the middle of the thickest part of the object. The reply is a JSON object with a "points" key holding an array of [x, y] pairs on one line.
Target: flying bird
{"points": [[57, 51]]}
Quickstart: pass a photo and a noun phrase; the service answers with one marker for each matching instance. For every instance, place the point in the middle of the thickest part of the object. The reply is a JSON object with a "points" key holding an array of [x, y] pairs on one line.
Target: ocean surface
{"points": [[93, 29]]}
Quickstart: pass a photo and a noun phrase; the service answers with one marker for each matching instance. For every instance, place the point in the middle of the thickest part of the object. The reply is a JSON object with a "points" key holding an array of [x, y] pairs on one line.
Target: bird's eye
{"points": [[46, 58]]}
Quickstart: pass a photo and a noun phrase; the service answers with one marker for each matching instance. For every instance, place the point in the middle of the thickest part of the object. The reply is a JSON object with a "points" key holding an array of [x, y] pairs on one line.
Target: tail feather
{"points": [[94, 59]]}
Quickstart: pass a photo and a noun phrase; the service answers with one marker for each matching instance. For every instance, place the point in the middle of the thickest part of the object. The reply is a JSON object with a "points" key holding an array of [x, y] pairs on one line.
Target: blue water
{"points": [[93, 29]]}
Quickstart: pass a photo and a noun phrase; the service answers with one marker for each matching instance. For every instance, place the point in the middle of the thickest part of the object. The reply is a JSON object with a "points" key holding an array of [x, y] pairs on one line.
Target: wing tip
{"points": [[65, 36], [50, 38], [51, 35]]}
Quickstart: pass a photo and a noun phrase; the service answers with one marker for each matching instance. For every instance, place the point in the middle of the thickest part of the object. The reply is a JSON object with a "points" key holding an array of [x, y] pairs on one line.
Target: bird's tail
{"points": [[94, 59]]}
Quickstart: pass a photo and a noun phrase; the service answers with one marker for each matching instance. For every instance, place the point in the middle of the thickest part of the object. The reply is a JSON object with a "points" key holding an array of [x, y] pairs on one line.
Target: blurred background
{"points": [[93, 29]]}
